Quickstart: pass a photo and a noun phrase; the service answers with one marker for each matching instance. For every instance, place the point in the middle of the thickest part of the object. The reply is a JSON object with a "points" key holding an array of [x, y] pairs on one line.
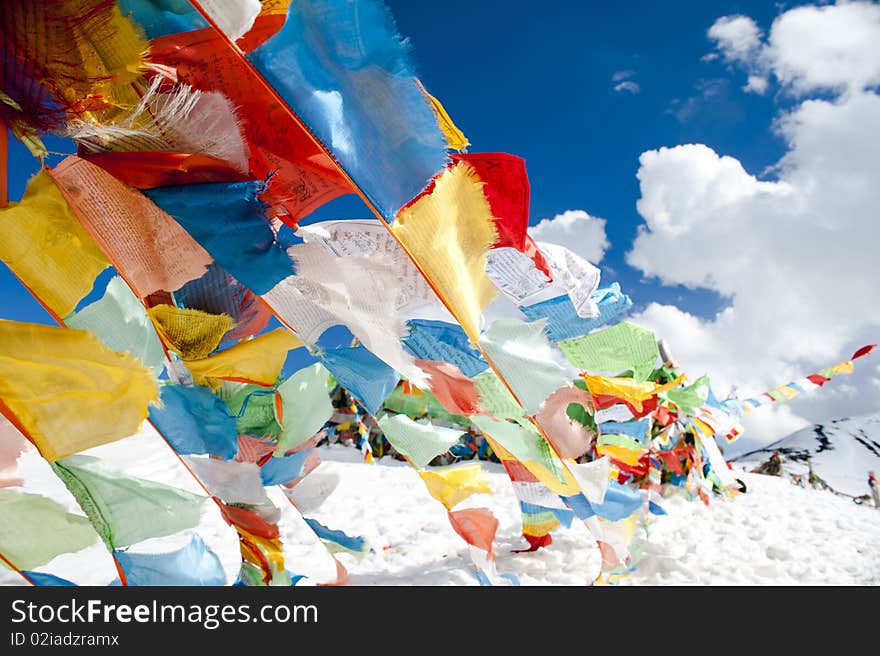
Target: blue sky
{"points": [[540, 85], [766, 277]]}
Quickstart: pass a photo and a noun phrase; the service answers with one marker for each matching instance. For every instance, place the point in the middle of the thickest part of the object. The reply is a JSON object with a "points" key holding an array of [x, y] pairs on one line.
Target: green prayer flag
{"points": [[525, 358], [419, 442], [35, 529], [689, 398], [496, 398], [415, 406], [305, 406], [124, 509], [622, 347], [120, 323], [254, 412], [522, 439]]}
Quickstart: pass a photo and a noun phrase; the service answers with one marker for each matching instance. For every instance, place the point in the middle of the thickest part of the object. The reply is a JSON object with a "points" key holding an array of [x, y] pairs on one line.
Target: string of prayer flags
{"points": [[419, 442], [361, 373], [784, 393], [522, 354], [444, 342], [341, 67], [564, 323], [621, 347], [120, 323], [194, 421], [66, 391], [44, 245], [302, 407], [452, 485], [36, 529], [448, 232], [192, 334], [193, 564], [239, 238], [258, 360], [148, 248], [124, 509]]}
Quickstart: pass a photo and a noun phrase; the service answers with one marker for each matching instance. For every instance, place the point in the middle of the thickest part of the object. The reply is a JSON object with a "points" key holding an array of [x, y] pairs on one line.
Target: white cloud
{"points": [[757, 84], [577, 231], [834, 47], [809, 48], [796, 255], [628, 85], [622, 75], [737, 37]]}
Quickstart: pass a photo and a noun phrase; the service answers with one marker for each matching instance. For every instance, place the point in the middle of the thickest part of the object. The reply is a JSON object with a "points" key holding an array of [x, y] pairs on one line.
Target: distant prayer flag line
{"points": [[788, 391]]}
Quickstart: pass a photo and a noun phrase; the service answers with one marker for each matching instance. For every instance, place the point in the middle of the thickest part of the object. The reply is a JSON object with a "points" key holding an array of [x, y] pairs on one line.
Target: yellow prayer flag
{"points": [[454, 137], [192, 334], [67, 391], [843, 368], [257, 360], [620, 453], [448, 231], [43, 244], [453, 485], [627, 389]]}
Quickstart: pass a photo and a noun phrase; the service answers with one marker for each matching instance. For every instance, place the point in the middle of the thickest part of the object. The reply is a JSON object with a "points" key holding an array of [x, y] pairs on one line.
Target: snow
{"points": [[775, 534], [842, 452]]}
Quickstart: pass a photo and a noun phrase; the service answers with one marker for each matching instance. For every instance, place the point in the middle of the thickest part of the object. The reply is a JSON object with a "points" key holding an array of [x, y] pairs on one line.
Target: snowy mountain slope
{"points": [[842, 452], [775, 534]]}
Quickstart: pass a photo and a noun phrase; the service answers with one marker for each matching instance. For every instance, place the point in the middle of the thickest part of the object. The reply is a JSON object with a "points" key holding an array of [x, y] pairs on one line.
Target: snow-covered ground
{"points": [[776, 534]]}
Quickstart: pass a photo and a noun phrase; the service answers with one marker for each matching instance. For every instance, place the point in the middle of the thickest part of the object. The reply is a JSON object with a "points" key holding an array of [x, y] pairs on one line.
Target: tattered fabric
{"points": [[343, 69], [229, 221], [524, 357], [448, 232], [124, 509], [44, 245], [195, 421], [194, 564], [67, 391], [148, 248], [36, 529]]}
